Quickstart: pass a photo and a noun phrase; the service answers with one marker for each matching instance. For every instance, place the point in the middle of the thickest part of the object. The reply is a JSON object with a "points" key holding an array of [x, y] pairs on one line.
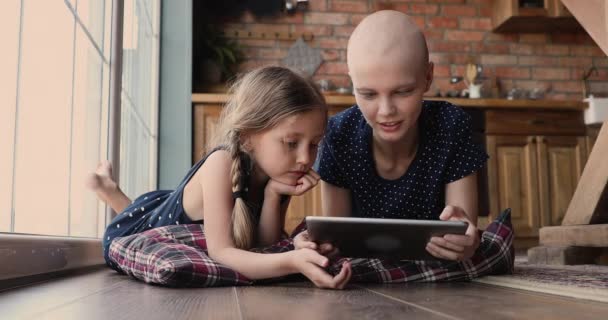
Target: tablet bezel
{"points": [[401, 239]]}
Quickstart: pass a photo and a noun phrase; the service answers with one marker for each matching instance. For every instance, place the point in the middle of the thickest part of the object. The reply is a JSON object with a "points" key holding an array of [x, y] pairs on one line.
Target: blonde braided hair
{"points": [[242, 221]]}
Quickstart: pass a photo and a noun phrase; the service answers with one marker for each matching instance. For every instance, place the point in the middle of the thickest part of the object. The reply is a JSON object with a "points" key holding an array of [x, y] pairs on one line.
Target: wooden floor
{"points": [[104, 294]]}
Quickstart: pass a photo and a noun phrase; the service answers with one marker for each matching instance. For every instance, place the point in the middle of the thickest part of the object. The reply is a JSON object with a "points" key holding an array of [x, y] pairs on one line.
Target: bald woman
{"points": [[394, 155]]}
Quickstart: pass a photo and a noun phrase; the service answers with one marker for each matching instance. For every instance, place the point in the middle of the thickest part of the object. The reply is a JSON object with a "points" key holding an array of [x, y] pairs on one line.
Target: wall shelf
{"points": [[246, 34]]}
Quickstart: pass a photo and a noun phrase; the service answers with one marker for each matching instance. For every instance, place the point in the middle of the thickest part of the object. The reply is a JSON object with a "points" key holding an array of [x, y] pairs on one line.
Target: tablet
{"points": [[381, 238]]}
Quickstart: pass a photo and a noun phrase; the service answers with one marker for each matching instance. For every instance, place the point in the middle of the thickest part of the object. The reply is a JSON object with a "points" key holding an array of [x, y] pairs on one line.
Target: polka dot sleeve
{"points": [[466, 157], [327, 165]]}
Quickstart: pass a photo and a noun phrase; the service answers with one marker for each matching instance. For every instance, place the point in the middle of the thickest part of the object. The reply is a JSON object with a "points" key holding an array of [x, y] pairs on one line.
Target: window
{"points": [[139, 127], [54, 112]]}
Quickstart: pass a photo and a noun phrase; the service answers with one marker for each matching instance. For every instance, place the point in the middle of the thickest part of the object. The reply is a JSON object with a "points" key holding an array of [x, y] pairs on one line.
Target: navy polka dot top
{"points": [[445, 153]]}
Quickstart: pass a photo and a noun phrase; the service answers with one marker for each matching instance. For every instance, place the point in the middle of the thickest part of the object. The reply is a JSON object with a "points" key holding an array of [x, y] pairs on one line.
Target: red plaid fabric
{"points": [[176, 256]]}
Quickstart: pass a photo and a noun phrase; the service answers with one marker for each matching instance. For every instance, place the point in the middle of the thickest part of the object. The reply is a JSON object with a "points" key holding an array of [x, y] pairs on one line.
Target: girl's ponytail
{"points": [[242, 222]]}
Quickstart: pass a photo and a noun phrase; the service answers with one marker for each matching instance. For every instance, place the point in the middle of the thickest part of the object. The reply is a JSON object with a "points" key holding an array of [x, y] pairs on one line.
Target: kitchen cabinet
{"points": [[536, 159], [532, 17], [535, 176]]}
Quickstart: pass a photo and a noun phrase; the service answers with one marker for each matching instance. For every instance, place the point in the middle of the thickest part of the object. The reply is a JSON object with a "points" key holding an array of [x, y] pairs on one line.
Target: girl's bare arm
{"points": [[217, 213], [272, 219], [217, 210]]}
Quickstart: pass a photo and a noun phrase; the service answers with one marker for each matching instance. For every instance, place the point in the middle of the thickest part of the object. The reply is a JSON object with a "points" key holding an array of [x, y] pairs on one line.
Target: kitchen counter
{"points": [[347, 100]]}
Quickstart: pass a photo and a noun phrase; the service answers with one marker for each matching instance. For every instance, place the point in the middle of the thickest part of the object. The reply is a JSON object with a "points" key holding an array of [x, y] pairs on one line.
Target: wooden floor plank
{"points": [[23, 302], [136, 300], [302, 301], [471, 300], [106, 295]]}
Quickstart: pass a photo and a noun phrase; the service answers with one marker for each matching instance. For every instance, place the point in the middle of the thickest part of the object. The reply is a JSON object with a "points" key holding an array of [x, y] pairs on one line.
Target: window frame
{"points": [[25, 256]]}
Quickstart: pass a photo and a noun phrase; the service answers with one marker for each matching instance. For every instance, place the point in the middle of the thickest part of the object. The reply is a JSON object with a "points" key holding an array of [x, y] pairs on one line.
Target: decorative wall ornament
{"points": [[303, 58]]}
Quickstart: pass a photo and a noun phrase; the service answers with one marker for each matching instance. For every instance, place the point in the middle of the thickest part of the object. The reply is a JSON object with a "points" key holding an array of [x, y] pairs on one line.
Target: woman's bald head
{"points": [[388, 38]]}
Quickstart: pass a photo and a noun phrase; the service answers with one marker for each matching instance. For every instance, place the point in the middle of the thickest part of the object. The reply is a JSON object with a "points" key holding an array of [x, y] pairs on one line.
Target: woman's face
{"points": [[390, 96], [288, 150]]}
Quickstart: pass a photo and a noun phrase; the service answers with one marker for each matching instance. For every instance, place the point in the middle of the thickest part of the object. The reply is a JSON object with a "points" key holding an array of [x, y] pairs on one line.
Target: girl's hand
{"points": [[311, 264], [452, 246], [305, 183], [302, 240]]}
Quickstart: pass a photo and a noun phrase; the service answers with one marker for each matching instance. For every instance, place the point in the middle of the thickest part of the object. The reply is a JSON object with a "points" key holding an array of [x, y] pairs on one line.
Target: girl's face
{"points": [[288, 150], [389, 95]]}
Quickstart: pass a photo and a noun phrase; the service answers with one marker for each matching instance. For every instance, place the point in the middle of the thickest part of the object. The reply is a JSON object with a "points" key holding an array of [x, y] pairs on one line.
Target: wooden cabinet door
{"points": [[512, 181], [592, 133], [561, 160], [308, 204], [205, 121]]}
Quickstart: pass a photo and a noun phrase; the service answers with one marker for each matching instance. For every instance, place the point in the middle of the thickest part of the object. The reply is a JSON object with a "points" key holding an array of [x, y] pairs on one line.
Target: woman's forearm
{"points": [[463, 194]]}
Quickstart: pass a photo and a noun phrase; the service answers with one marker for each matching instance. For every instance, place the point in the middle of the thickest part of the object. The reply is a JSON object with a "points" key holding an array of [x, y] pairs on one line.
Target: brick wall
{"points": [[457, 31]]}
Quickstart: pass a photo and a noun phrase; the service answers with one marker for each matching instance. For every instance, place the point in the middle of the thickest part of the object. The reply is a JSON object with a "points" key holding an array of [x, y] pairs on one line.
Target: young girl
{"points": [[266, 144], [394, 155]]}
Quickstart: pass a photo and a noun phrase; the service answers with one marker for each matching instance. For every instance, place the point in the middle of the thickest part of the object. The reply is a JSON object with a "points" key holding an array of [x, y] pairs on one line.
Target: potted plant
{"points": [[216, 57]]}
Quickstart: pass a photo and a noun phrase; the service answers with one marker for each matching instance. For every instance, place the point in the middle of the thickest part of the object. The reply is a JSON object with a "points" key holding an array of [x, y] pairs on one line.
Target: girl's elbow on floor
{"points": [[217, 252]]}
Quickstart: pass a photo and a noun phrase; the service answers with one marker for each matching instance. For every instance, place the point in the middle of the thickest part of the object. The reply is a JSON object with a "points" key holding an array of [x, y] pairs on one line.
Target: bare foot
{"points": [[106, 188], [101, 181]]}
